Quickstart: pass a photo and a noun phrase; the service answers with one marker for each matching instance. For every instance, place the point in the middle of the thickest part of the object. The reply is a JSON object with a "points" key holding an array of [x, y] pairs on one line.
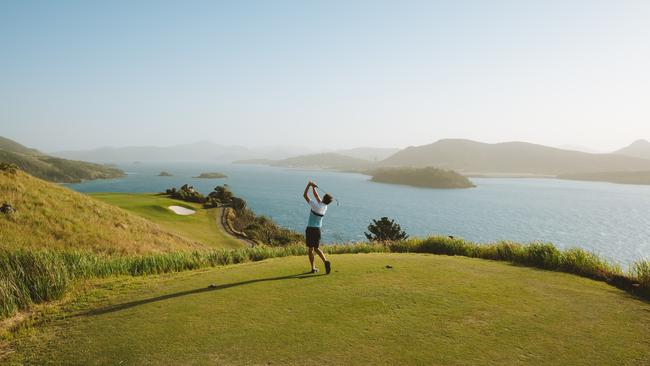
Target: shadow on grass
{"points": [[128, 305]]}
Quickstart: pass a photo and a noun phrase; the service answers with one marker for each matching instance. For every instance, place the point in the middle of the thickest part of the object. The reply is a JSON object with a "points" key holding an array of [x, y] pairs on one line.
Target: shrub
{"points": [[186, 193], [641, 270], [10, 168], [385, 230], [28, 277]]}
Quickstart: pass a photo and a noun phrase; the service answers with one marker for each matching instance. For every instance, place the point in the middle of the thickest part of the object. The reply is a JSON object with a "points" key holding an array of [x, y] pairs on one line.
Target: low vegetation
{"points": [[259, 229], [186, 193], [421, 177], [262, 229], [34, 276]]}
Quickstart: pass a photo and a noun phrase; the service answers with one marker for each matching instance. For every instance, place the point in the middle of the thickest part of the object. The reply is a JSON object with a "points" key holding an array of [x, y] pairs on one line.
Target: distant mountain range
{"points": [[200, 151], [209, 152], [333, 161], [471, 157], [465, 156], [638, 149], [51, 168], [373, 154]]}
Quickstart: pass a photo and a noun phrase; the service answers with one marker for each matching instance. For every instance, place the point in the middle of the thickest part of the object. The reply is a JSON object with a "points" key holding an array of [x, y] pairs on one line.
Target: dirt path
{"points": [[221, 223]]}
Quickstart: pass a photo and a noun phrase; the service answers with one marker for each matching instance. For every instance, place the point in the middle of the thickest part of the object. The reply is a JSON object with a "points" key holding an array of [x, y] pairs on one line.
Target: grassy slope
{"points": [[59, 170], [51, 216], [426, 310], [201, 226]]}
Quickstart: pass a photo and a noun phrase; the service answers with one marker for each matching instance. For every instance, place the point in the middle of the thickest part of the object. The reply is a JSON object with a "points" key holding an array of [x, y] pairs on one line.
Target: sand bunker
{"points": [[178, 210]]}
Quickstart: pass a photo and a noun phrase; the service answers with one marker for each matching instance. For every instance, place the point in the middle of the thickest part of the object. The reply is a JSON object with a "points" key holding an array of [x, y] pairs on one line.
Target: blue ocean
{"points": [[609, 219]]}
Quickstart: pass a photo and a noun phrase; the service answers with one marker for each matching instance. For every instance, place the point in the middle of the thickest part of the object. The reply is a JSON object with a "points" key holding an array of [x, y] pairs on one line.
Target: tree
{"points": [[221, 194], [385, 230]]}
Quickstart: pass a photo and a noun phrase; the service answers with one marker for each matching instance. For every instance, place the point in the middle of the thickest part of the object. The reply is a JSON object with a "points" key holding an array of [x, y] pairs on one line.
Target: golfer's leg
{"points": [[311, 257], [321, 254]]}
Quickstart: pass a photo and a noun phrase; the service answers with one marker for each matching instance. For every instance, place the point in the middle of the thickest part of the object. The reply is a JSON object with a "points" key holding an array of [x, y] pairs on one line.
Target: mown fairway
{"points": [[426, 310], [201, 226]]}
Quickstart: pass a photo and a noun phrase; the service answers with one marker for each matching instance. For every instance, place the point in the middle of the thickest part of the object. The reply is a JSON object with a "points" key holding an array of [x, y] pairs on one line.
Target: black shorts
{"points": [[313, 236]]}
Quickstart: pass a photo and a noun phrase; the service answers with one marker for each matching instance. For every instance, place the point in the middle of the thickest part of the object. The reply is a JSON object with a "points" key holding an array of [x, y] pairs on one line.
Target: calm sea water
{"points": [[611, 220]]}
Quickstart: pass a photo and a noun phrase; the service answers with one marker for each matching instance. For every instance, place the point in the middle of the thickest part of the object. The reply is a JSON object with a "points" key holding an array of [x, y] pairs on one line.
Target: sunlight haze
{"points": [[76, 75]]}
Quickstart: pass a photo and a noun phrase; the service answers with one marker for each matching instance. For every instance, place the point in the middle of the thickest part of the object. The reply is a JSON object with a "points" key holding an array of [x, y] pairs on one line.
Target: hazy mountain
{"points": [[639, 149], [256, 161], [324, 161], [12, 146], [369, 153], [511, 158], [51, 168], [200, 151], [579, 148]]}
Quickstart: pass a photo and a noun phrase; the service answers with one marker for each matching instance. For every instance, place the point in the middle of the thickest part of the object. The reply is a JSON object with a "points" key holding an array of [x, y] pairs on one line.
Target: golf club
{"points": [[335, 199]]}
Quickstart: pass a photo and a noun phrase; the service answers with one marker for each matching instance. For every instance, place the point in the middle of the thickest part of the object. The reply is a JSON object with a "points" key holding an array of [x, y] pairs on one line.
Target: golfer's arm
{"points": [[306, 194], [313, 189]]}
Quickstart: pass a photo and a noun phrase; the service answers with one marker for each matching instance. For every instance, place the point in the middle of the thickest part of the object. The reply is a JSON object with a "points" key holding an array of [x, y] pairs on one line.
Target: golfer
{"points": [[318, 209]]}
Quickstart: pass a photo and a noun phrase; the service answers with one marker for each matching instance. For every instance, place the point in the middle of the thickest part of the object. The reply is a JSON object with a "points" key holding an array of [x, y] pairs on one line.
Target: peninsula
{"points": [[421, 177]]}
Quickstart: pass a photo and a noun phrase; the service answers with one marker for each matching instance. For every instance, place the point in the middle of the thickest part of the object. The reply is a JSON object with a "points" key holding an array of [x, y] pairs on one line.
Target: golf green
{"points": [[201, 226]]}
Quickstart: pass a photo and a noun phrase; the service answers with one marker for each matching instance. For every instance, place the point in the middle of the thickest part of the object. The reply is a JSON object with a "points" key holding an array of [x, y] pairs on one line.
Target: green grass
{"points": [[201, 227], [28, 277], [51, 168], [49, 216], [427, 309]]}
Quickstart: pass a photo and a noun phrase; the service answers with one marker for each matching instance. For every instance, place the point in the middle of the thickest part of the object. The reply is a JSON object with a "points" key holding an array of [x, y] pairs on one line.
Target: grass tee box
{"points": [[201, 226], [426, 309]]}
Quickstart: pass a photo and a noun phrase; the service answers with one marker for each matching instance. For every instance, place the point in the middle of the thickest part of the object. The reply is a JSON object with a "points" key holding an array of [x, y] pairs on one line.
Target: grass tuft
{"points": [[641, 270], [33, 276]]}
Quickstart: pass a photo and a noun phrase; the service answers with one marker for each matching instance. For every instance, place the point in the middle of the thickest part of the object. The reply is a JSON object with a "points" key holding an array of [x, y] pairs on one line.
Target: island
{"points": [[211, 176], [428, 177], [639, 177], [165, 174]]}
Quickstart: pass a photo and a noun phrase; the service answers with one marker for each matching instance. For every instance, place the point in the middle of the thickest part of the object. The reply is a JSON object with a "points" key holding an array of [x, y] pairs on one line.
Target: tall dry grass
{"points": [[33, 276]]}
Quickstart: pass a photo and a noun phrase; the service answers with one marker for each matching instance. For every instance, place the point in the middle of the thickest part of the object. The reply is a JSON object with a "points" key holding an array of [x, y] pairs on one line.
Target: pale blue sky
{"points": [[325, 74]]}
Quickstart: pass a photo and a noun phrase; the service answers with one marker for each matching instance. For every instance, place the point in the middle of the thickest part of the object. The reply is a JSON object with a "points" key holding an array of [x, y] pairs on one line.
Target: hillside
{"points": [[426, 309], [255, 161], [333, 161], [50, 168], [12, 146], [638, 149], [373, 154], [50, 216], [204, 151], [324, 161], [357, 158], [470, 157], [421, 177]]}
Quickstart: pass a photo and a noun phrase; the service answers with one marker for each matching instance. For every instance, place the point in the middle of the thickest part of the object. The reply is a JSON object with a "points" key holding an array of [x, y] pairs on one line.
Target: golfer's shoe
{"points": [[328, 267], [314, 270]]}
